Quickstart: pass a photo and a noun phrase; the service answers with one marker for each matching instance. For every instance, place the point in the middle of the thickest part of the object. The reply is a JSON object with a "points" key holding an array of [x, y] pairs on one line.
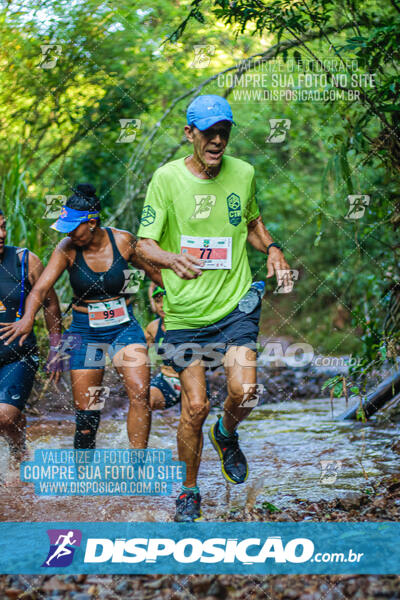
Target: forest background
{"points": [[97, 92]]}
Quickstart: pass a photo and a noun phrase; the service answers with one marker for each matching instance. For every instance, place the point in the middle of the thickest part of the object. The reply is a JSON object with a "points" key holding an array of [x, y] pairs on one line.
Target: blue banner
{"points": [[112, 472], [242, 548]]}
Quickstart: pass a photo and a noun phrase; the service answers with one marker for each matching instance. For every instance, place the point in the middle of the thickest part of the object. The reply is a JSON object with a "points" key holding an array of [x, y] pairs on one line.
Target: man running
{"points": [[198, 213]]}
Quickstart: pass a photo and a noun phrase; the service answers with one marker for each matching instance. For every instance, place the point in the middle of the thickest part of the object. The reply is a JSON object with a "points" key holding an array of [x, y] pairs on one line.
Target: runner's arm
{"points": [[51, 306], [52, 317], [37, 297], [151, 270], [260, 239], [149, 333], [184, 265]]}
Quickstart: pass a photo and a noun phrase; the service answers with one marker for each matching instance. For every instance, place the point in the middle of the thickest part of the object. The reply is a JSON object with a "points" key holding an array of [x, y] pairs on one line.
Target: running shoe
{"points": [[188, 507], [233, 461]]}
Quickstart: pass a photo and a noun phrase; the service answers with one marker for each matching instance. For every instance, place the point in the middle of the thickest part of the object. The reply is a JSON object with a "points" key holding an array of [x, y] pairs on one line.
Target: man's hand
{"points": [[277, 264], [10, 331], [186, 266]]}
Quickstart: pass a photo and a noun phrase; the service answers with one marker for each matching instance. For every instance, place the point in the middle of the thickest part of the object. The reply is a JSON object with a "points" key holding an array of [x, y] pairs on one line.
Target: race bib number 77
{"points": [[214, 252]]}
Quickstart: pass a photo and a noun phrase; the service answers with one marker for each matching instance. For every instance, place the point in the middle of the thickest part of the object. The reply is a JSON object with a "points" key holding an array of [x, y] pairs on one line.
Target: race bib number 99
{"points": [[107, 314], [214, 252]]}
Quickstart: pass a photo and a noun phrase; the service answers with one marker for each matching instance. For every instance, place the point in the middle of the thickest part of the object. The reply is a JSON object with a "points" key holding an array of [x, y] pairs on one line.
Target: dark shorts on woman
{"points": [[16, 380], [170, 387], [88, 346], [183, 346]]}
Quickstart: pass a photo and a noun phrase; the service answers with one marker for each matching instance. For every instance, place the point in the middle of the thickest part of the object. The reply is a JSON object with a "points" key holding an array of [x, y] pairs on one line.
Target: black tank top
{"points": [[89, 285], [10, 296]]}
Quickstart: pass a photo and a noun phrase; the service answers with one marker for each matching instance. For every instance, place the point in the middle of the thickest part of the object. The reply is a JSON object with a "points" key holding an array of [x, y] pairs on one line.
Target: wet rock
{"points": [[55, 583], [217, 589], [13, 593], [396, 447], [123, 586], [175, 586], [393, 487], [291, 594], [159, 582], [351, 500], [92, 590], [201, 584], [379, 502]]}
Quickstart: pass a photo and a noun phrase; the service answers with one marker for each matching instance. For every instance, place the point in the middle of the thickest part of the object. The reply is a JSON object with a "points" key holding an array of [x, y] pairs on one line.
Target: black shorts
{"points": [[16, 381], [170, 387], [181, 347]]}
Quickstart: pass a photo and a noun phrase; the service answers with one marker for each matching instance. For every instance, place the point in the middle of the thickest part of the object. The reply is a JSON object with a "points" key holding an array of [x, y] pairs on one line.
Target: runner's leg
{"points": [[82, 380], [132, 364], [195, 408], [157, 400], [241, 377], [16, 382], [12, 427], [240, 369]]}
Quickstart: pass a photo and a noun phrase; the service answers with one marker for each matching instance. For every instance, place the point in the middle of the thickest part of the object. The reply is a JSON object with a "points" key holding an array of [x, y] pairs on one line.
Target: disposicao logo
{"points": [[190, 550], [63, 543]]}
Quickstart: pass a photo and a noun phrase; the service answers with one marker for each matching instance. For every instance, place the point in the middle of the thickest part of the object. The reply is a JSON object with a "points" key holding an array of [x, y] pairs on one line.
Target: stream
{"points": [[284, 443]]}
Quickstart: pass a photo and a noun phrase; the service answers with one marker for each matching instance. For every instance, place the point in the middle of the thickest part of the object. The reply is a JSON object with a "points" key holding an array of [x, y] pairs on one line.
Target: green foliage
{"points": [[15, 204], [62, 125], [364, 154]]}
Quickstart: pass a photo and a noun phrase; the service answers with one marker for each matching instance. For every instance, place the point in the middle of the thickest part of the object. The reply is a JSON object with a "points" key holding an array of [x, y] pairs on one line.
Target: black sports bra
{"points": [[89, 285]]}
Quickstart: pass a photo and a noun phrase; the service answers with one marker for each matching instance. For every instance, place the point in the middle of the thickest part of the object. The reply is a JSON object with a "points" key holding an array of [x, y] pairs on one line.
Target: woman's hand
{"points": [[55, 364], [10, 331]]}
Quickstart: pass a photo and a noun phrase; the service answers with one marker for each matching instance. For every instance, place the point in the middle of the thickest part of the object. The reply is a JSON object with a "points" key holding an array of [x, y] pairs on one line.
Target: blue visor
{"points": [[70, 219]]}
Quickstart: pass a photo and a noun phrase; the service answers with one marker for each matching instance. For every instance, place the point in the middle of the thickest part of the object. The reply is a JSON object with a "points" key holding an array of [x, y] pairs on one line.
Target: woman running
{"points": [[97, 260], [19, 271]]}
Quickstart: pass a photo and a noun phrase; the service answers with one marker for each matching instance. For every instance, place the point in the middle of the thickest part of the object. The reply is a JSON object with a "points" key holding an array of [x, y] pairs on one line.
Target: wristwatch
{"points": [[275, 246]]}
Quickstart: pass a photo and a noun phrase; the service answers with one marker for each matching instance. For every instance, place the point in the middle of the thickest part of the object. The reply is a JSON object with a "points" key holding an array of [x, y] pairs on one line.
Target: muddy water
{"points": [[284, 444]]}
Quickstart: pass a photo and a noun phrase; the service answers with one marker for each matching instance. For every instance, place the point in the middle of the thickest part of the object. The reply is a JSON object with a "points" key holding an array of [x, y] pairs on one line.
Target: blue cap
{"points": [[70, 219], [205, 111]]}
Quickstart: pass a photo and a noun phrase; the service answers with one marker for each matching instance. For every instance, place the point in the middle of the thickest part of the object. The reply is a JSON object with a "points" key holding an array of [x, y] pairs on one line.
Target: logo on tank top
{"points": [[234, 209], [2, 307], [148, 215], [203, 205]]}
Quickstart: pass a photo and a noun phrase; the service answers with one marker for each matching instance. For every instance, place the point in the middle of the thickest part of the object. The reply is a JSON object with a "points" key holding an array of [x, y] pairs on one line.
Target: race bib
{"points": [[214, 252], [107, 314]]}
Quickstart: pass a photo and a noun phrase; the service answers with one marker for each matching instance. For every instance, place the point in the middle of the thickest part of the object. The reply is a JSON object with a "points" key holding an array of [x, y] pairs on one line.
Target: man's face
{"points": [[209, 145], [3, 233], [159, 301]]}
